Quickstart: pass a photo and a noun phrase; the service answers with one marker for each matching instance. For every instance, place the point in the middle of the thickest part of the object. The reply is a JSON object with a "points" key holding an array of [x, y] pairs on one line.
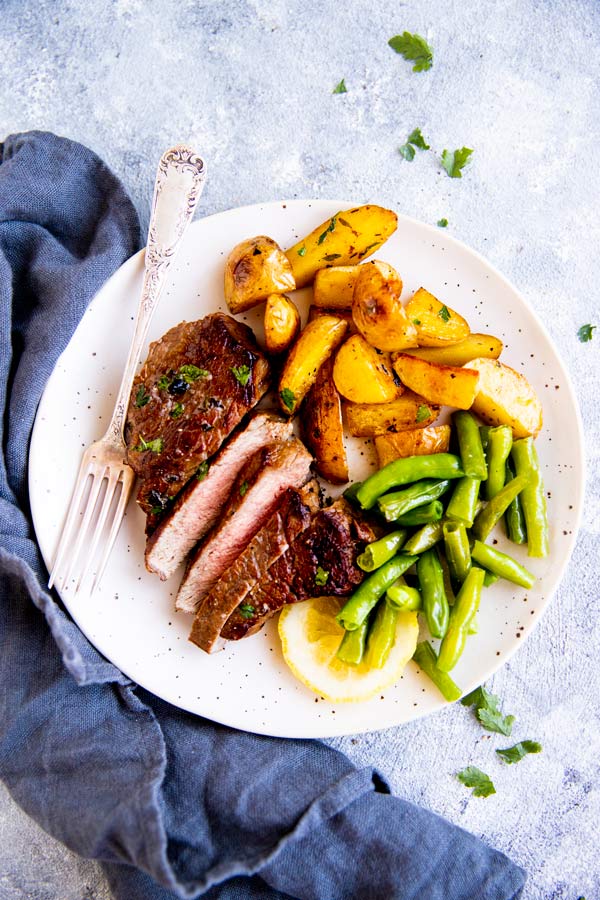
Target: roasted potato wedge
{"points": [[364, 375], [473, 346], [333, 288], [314, 312], [418, 442], [316, 342], [322, 427], [505, 397], [407, 412], [254, 269], [282, 322], [377, 309], [345, 239], [437, 324], [447, 385]]}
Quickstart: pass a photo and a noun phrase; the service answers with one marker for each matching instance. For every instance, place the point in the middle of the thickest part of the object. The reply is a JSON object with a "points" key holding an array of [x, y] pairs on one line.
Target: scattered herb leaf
{"points": [[486, 707], [329, 228], [331, 256], [444, 314], [414, 48], [193, 373], [243, 488], [454, 161], [368, 249], [417, 139], [141, 398], [516, 753], [585, 333], [202, 471], [288, 399], [154, 446], [302, 251], [163, 382], [407, 152], [177, 411], [423, 412], [474, 778], [340, 88], [416, 321], [442, 223], [247, 610], [241, 374], [322, 577]]}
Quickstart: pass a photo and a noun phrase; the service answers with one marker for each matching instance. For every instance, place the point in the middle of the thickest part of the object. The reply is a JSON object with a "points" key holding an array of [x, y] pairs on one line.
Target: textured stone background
{"points": [[250, 82]]}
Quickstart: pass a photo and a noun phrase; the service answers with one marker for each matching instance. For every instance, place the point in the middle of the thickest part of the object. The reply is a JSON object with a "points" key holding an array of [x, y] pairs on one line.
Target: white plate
{"points": [[131, 619]]}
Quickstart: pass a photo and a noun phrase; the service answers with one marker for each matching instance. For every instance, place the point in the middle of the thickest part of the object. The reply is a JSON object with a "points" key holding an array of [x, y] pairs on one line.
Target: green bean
{"points": [[382, 635], [352, 648], [447, 577], [403, 597], [533, 499], [502, 564], [484, 434], [425, 658], [393, 505], [405, 471], [351, 492], [514, 520], [469, 442], [435, 601], [421, 515], [499, 446], [424, 538], [379, 552], [497, 506], [463, 613], [456, 544], [463, 502], [490, 578], [474, 623], [357, 608]]}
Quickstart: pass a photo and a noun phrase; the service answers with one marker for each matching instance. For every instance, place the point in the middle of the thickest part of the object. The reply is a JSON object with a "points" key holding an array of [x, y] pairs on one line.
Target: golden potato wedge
{"points": [[377, 309], [346, 238], [333, 288], [364, 375], [505, 397], [437, 324], [254, 269], [418, 442], [407, 412], [316, 342], [447, 385], [322, 427], [282, 322], [473, 346], [314, 312]]}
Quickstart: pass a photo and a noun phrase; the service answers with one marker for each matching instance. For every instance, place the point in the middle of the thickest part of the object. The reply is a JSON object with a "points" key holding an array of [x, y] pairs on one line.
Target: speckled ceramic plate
{"points": [[131, 619]]}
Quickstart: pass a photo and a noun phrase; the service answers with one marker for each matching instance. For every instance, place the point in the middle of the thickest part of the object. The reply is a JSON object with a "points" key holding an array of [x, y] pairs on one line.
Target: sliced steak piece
{"points": [[197, 383], [292, 517], [322, 560], [256, 494], [199, 505]]}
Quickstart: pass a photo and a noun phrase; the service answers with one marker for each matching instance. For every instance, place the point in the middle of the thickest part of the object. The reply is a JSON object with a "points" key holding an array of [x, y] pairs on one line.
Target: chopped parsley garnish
{"points": [[247, 610], [329, 228], [243, 488], [414, 48], [416, 321], [423, 412], [585, 333], [454, 161], [444, 313], [288, 398], [302, 250], [474, 778], [516, 753], [368, 249], [322, 577], [154, 446], [241, 374], [202, 471], [177, 411], [486, 707], [407, 152], [340, 88], [415, 139], [163, 382], [331, 257], [442, 223], [193, 373], [141, 398]]}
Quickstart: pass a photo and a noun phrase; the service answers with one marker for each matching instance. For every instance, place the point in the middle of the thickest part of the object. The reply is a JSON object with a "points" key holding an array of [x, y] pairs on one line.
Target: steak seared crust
{"points": [[293, 516], [197, 383], [199, 505]]}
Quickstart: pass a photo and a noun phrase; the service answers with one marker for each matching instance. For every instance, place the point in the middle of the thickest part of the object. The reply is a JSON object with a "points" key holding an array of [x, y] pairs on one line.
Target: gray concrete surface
{"points": [[250, 84]]}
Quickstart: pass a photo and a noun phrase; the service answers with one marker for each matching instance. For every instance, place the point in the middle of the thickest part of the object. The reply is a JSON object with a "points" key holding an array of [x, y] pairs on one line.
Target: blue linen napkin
{"points": [[171, 805]]}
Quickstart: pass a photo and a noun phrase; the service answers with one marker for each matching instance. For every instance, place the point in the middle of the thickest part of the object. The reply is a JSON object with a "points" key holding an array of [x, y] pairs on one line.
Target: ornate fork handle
{"points": [[179, 183]]}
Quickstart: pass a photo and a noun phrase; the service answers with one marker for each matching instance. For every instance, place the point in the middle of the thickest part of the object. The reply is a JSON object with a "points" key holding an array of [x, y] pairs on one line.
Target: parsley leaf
{"points": [[444, 314], [302, 251], [486, 708], [243, 488], [288, 398], [193, 373], [241, 374], [340, 88], [585, 333], [407, 152], [413, 48], [474, 778], [322, 577], [141, 398], [247, 610], [331, 257], [177, 411], [202, 471], [442, 223], [423, 412], [416, 321], [417, 139], [329, 228], [163, 382], [516, 753], [154, 446], [454, 161]]}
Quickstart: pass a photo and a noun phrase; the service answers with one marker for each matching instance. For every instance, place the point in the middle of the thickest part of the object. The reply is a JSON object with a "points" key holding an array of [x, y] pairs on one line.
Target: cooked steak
{"points": [[322, 560], [197, 383], [294, 515], [256, 494], [199, 505]]}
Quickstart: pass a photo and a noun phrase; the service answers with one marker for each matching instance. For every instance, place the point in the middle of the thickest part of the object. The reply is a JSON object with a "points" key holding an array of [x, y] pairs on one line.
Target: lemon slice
{"points": [[310, 637]]}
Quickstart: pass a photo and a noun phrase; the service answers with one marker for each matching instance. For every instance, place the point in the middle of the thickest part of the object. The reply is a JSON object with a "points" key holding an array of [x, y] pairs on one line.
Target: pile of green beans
{"points": [[442, 509]]}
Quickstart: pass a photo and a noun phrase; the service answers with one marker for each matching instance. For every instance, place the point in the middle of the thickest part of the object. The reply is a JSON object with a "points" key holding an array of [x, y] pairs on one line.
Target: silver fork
{"points": [[105, 480]]}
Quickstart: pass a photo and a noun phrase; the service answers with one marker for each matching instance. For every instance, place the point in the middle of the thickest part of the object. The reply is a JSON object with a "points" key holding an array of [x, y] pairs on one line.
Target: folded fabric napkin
{"points": [[170, 804]]}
